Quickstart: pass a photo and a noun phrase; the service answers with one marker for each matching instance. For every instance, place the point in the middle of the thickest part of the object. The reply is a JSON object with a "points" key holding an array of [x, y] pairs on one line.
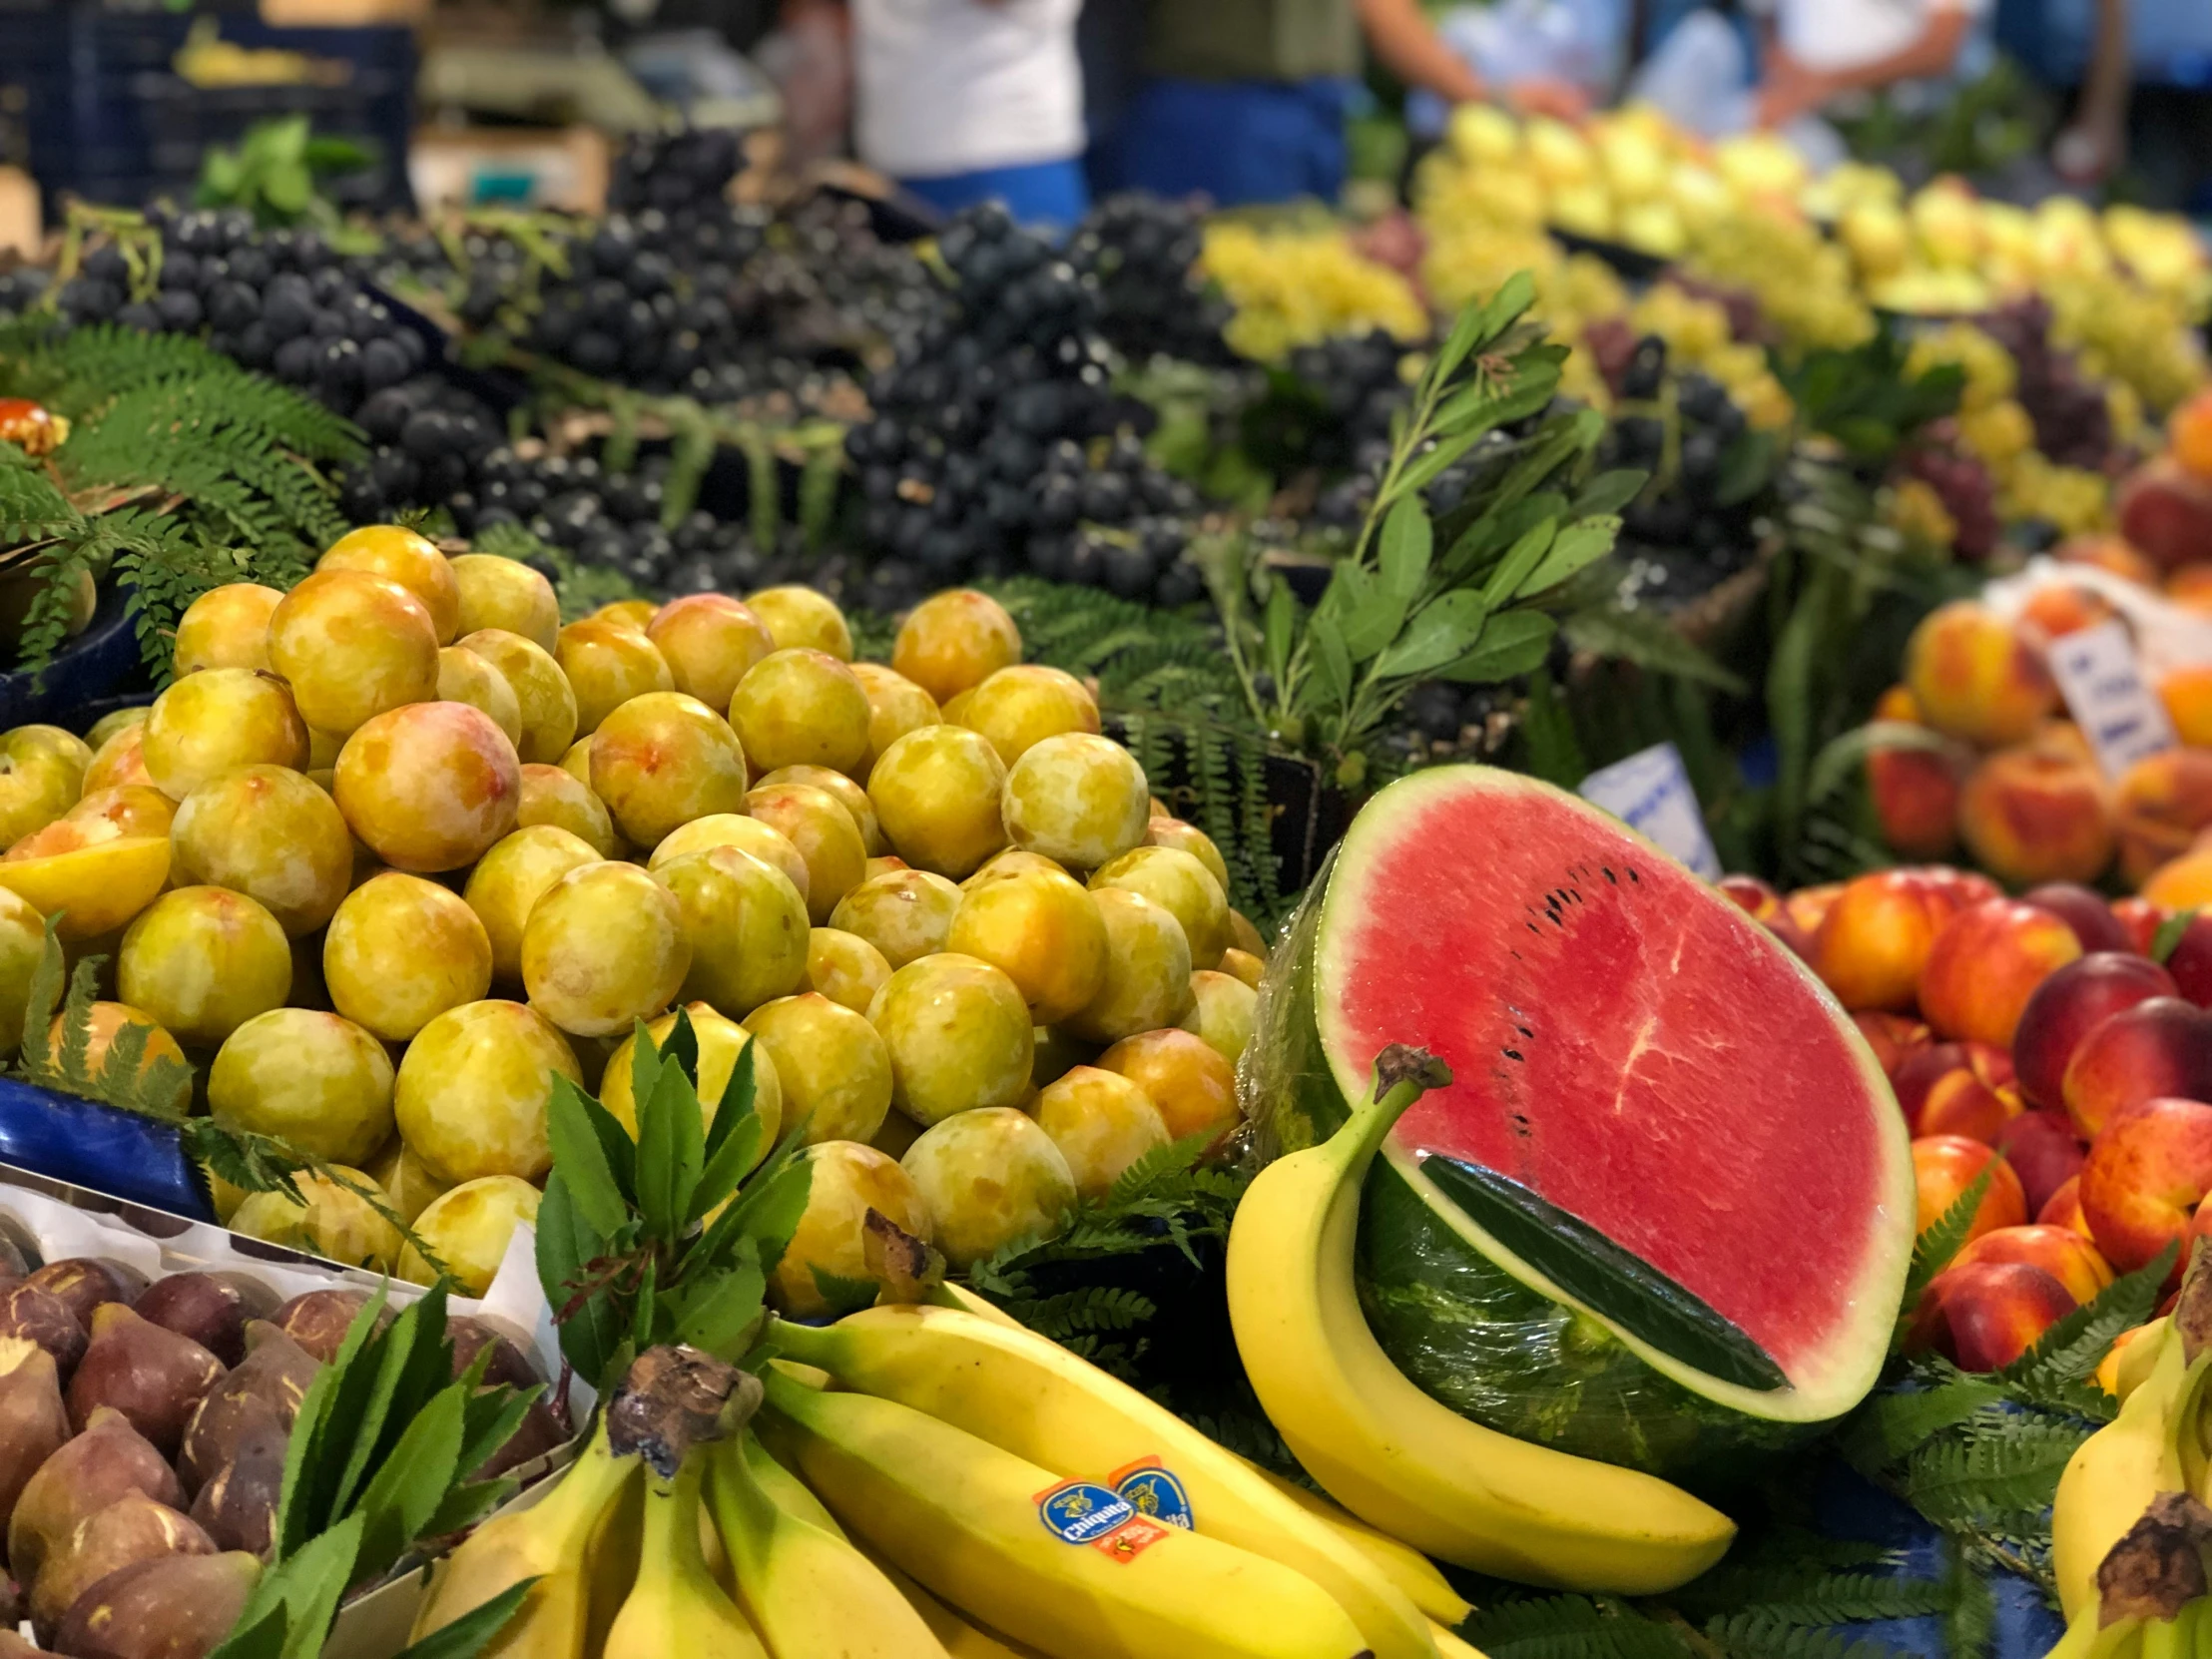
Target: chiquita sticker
{"points": [[1081, 1512], [1155, 1493]]}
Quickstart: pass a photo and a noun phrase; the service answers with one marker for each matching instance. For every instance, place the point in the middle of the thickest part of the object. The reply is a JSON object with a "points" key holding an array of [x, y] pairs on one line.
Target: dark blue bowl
{"points": [[87, 1143], [93, 665]]}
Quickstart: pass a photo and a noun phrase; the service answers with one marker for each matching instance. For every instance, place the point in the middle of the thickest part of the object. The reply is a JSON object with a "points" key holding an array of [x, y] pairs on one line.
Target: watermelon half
{"points": [[1662, 1215]]}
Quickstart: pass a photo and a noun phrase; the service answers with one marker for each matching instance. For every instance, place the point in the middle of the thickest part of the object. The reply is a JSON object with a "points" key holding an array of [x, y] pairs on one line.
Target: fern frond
{"points": [[72, 1068], [1758, 1636], [2012, 1470]]}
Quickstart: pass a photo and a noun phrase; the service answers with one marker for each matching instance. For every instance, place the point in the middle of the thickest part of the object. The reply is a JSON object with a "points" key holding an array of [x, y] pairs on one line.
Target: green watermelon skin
{"points": [[1465, 1328]]}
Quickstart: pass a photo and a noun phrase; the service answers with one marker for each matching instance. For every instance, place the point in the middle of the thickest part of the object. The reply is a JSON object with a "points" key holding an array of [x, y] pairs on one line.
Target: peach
{"points": [[1808, 907], [2070, 1004], [2061, 608], [2140, 920], [1914, 790], [1959, 1089], [2189, 434], [2062, 1253], [353, 644], [2160, 804], [2166, 513], [2030, 815], [2043, 1151], [506, 594], [1984, 966], [711, 642], [407, 557], [429, 786], [2191, 587], [267, 832], [661, 759], [218, 718], [2184, 885], [2063, 1208], [101, 816], [802, 619], [400, 951], [2144, 1178], [1875, 938], [1184, 1075], [553, 797], [1945, 1166], [895, 706], [544, 701], [94, 887], [203, 961], [2118, 1375], [1964, 886], [225, 627], [1986, 1315], [1975, 677], [2161, 1046], [607, 665], [2187, 693], [2109, 552], [1893, 1037], [2085, 911]]}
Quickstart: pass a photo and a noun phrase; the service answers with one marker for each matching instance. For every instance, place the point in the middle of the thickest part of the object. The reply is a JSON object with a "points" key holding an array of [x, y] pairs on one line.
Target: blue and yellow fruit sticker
{"points": [[1155, 1492], [1081, 1512]]}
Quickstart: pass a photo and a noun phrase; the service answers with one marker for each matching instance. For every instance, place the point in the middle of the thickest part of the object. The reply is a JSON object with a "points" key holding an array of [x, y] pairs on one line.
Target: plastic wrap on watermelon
{"points": [[1461, 1326]]}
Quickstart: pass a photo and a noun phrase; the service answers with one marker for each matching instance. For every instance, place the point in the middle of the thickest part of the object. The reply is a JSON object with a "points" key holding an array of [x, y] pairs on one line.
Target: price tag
{"points": [[1650, 793], [2103, 686]]}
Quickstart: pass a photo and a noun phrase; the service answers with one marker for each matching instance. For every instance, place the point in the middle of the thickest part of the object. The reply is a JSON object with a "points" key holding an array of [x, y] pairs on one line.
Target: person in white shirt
{"points": [[967, 101]]}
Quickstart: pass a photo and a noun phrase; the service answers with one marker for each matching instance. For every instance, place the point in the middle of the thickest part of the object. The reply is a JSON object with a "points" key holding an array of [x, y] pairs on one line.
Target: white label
{"points": [[1650, 793], [2103, 686]]}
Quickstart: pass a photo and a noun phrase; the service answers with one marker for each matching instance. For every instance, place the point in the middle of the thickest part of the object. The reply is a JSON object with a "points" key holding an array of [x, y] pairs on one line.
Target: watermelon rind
{"points": [[1474, 1325]]}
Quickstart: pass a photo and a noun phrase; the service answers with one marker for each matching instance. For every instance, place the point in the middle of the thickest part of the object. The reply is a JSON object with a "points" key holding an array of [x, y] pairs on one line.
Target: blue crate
{"points": [[103, 116]]}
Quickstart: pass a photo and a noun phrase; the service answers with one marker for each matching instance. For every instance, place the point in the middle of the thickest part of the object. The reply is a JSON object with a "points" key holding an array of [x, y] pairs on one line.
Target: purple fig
{"points": [[41, 1316], [155, 1378], [86, 1284], [34, 1424], [171, 1607], [267, 1388], [319, 1321], [509, 1364], [211, 1309], [86, 1476], [132, 1528], [238, 1506]]}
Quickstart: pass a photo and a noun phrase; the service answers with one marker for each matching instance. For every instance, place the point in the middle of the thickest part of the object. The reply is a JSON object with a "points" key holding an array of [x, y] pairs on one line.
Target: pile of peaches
{"points": [[2006, 776], [2038, 1039]]}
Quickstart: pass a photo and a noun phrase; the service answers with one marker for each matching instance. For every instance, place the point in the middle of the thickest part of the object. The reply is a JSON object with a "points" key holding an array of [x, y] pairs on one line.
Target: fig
{"points": [[237, 1508], [39, 1315], [540, 1433], [155, 1378], [172, 1608], [85, 1283], [34, 1424], [318, 1319], [132, 1528], [107, 1460], [509, 1365], [267, 1385], [210, 1307]]}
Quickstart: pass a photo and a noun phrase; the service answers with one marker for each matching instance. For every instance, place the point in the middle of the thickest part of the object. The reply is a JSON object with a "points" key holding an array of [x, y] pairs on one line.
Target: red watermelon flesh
{"points": [[1628, 1044]]}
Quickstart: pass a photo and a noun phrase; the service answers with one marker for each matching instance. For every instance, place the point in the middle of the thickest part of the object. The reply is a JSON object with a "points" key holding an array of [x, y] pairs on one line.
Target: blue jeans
{"points": [[1235, 141], [1050, 194]]}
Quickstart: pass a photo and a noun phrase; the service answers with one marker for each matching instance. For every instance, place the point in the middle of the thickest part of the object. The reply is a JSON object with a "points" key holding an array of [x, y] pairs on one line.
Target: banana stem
{"points": [[1401, 1076]]}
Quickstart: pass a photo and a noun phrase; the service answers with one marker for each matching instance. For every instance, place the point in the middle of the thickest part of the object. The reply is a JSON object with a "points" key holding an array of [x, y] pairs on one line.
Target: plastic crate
{"points": [[103, 114]]}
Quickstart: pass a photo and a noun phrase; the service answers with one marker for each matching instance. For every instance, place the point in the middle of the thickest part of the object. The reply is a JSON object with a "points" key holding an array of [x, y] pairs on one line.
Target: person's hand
{"points": [[2091, 149], [1787, 90], [1542, 95]]}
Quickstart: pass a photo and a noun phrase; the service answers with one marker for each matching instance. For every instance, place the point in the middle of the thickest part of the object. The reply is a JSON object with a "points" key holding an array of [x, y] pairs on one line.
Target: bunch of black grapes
{"points": [[1142, 252], [281, 301], [1349, 387], [2073, 423], [1694, 525], [22, 287], [683, 174], [997, 443], [1962, 482]]}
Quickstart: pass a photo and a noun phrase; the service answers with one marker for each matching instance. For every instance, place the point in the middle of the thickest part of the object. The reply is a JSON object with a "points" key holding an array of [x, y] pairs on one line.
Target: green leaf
{"points": [[288, 187], [414, 1360], [405, 1493], [1526, 553], [580, 1155], [720, 1316], [1608, 494], [1408, 543], [1893, 1424], [567, 1243], [1469, 329], [2167, 939], [475, 1630], [1281, 632], [1649, 642], [307, 1586], [1945, 1237], [766, 1212], [1440, 633], [324, 1424], [1992, 1478], [681, 1047], [1971, 1621], [1843, 757], [1366, 614], [261, 1637], [734, 1106], [467, 1504], [670, 1141], [1610, 1280], [1332, 663], [1576, 546], [489, 1419], [1513, 642], [2059, 1364]]}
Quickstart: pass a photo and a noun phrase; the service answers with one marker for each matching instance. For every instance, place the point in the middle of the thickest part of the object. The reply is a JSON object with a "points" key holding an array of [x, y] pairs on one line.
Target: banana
{"points": [[808, 1591], [1412, 1571], [1453, 1646], [1387, 1451], [786, 1490], [962, 1639], [547, 1542], [1063, 1566], [2112, 1477], [1028, 1395], [675, 1607]]}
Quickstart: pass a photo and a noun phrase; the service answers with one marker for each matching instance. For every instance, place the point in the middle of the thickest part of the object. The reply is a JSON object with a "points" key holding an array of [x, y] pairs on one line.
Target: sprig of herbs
{"points": [[664, 1237]]}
